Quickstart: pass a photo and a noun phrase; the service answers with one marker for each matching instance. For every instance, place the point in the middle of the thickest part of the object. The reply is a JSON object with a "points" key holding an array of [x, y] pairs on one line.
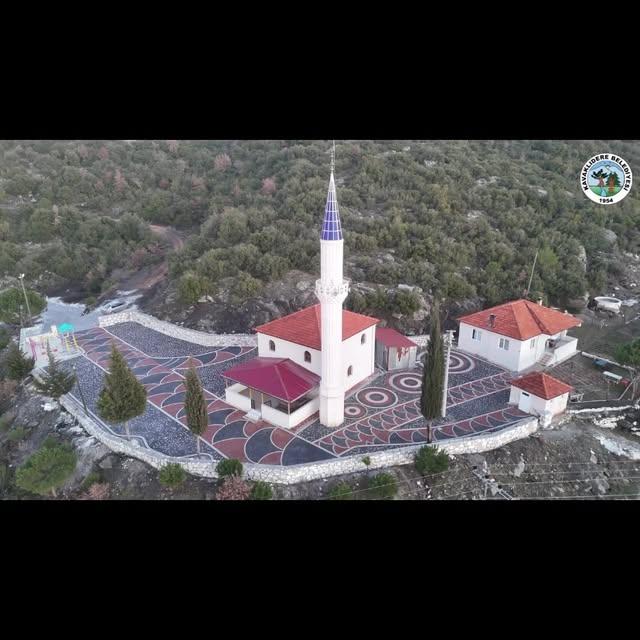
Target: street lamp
{"points": [[21, 278]]}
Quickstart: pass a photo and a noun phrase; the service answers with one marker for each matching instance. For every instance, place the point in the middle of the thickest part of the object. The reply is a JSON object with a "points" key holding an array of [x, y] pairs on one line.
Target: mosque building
{"points": [[308, 360]]}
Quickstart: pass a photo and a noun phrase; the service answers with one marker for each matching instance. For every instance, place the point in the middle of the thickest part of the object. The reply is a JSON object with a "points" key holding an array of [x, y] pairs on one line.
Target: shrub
{"points": [[230, 467], [18, 365], [19, 433], [172, 475], [384, 485], [7, 392], [431, 460], [340, 491], [233, 488], [4, 338], [46, 469], [5, 423], [98, 491], [4, 476], [366, 460], [91, 479], [261, 491]]}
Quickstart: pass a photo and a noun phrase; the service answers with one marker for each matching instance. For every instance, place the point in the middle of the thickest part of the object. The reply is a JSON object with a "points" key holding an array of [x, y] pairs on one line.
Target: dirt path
{"points": [[148, 277]]}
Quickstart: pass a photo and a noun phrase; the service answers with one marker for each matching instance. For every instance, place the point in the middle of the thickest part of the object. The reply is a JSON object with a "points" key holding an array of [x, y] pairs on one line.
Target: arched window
{"points": [[272, 345], [307, 356], [350, 370], [363, 338]]}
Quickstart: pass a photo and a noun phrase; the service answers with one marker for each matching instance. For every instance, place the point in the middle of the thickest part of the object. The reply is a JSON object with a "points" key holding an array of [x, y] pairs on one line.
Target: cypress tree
{"points": [[433, 374], [195, 405], [55, 381], [123, 397], [18, 365]]}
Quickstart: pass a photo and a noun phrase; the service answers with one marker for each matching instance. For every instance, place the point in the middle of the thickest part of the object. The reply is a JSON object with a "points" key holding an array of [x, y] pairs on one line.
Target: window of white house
{"points": [[307, 356], [272, 345], [504, 344], [532, 343], [475, 334], [350, 370], [363, 338]]}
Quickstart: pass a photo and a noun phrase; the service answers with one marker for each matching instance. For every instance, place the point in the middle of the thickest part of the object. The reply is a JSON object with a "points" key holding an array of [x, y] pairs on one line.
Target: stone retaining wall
{"points": [[190, 335], [302, 472]]}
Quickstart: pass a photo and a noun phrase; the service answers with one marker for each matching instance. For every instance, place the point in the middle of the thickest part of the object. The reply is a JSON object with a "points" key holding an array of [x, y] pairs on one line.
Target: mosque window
{"points": [[350, 370], [363, 338], [272, 345], [307, 356]]}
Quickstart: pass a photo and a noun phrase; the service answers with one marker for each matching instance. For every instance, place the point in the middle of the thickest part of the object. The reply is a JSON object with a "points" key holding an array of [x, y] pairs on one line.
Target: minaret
{"points": [[331, 290]]}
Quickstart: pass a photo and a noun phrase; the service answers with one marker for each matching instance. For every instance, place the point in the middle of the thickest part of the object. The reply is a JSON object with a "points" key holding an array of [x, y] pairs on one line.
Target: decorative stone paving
{"points": [[382, 414]]}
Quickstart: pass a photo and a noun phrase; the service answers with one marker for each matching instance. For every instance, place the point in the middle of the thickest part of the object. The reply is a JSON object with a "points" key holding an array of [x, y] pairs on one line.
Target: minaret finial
{"points": [[333, 157]]}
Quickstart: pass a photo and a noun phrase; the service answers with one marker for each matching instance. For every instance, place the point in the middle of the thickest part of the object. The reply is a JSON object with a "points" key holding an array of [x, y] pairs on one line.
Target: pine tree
{"points": [[55, 381], [46, 469], [123, 397], [18, 365], [195, 405], [433, 375]]}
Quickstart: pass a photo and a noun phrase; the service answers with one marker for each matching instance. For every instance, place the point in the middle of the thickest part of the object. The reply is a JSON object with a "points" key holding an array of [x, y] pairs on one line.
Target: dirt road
{"points": [[148, 277]]}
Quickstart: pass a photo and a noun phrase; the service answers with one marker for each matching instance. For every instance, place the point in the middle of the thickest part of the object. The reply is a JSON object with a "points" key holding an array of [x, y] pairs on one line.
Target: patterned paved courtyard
{"points": [[383, 413]]}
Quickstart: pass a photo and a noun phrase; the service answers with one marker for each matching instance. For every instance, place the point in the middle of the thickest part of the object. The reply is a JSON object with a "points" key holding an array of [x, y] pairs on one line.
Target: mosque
{"points": [[309, 359]]}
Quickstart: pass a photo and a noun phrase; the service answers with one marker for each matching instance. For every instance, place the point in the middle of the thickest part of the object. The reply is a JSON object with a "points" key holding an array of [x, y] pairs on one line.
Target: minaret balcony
{"points": [[332, 290]]}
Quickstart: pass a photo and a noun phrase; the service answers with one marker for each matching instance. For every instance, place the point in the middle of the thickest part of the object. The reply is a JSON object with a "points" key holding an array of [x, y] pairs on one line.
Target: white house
{"points": [[519, 334], [540, 394]]}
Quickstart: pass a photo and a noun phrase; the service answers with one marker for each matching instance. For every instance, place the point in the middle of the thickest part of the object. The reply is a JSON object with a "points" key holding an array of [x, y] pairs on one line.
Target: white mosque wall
{"points": [[360, 356], [291, 350], [287, 421]]}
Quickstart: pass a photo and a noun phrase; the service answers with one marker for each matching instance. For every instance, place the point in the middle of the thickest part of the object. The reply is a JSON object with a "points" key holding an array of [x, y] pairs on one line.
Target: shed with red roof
{"points": [[540, 394], [393, 350]]}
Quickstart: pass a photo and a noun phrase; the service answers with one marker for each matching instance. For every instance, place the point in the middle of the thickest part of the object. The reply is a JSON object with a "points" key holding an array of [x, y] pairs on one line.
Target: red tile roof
{"points": [[542, 385], [277, 377], [522, 319], [391, 338], [303, 327]]}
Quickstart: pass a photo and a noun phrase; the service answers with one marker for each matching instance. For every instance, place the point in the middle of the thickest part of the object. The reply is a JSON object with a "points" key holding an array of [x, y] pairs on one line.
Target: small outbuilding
{"points": [[540, 394], [393, 350]]}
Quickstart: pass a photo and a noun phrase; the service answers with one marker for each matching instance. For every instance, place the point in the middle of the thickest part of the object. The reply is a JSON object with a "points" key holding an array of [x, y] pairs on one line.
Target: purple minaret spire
{"points": [[331, 227]]}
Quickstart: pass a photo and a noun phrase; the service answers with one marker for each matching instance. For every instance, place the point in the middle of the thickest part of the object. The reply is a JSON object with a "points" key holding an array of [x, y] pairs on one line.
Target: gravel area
{"points": [[155, 344]]}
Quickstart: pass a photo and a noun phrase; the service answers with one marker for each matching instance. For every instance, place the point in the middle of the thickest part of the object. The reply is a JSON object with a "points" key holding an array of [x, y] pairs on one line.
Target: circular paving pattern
{"points": [[406, 382], [377, 398], [354, 411], [459, 363]]}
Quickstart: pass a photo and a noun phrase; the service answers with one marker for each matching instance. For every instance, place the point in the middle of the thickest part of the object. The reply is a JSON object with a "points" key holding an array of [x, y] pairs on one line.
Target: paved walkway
{"points": [[381, 415]]}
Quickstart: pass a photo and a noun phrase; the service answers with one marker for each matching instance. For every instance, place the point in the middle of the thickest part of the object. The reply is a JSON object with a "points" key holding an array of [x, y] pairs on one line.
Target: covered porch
{"points": [[277, 390]]}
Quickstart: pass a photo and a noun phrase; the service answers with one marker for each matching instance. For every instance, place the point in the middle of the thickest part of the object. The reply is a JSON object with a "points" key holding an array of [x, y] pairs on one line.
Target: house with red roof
{"points": [[540, 394], [519, 334]]}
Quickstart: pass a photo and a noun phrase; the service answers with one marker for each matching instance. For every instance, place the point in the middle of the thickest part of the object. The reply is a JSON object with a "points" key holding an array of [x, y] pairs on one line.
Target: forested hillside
{"points": [[459, 219]]}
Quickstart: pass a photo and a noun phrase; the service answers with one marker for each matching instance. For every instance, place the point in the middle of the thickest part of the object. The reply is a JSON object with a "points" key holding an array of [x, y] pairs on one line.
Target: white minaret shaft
{"points": [[331, 290]]}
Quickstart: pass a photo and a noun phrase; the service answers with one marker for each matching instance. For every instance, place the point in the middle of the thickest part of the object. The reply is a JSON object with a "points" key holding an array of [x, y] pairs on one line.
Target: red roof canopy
{"points": [[542, 385], [303, 327], [522, 319], [278, 377], [392, 338]]}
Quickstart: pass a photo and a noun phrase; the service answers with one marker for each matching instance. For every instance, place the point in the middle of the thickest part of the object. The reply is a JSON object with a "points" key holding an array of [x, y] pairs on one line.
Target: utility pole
{"points": [[21, 278], [526, 293], [448, 341]]}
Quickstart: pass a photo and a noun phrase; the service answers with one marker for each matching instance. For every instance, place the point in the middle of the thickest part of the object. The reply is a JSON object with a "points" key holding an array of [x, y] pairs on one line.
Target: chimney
{"points": [[540, 301], [492, 320]]}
